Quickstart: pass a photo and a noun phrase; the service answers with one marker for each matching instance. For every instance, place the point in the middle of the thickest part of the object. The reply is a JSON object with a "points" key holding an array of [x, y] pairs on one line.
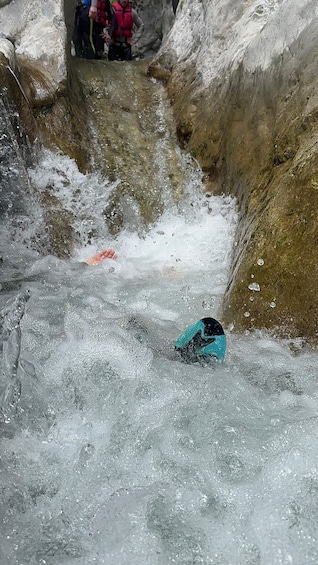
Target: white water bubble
{"points": [[260, 262], [254, 286], [273, 304]]}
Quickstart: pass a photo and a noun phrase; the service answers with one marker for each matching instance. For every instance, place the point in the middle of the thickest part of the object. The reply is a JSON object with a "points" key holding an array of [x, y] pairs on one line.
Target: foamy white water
{"points": [[112, 453]]}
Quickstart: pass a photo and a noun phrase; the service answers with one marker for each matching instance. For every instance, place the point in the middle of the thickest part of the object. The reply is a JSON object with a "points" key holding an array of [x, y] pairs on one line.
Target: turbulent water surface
{"points": [[114, 453]]}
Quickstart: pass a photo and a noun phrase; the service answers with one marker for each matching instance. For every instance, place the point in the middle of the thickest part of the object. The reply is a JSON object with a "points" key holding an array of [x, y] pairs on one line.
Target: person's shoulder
{"points": [[136, 16]]}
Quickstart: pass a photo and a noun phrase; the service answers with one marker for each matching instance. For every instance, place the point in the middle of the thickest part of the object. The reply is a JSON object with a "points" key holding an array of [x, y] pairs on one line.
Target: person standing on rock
{"points": [[82, 34], [104, 19], [91, 18], [124, 35]]}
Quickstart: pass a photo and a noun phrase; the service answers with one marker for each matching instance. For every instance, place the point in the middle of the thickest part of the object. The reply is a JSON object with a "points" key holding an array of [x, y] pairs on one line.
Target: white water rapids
{"points": [[112, 453]]}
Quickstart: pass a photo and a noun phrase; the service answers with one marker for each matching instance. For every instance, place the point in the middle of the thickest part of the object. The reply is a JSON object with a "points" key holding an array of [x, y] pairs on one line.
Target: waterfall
{"points": [[13, 174]]}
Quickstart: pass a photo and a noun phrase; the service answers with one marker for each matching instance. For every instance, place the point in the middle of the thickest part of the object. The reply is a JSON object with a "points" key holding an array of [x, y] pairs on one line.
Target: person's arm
{"points": [[101, 256], [113, 21], [139, 25]]}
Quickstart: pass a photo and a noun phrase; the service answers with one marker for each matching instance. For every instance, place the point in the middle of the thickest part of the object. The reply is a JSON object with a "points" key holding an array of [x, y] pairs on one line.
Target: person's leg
{"points": [[89, 48], [77, 44], [85, 24], [113, 52], [98, 40], [126, 52]]}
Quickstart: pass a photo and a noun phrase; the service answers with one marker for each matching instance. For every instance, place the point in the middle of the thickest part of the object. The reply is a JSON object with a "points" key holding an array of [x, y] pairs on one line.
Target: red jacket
{"points": [[103, 12], [125, 21]]}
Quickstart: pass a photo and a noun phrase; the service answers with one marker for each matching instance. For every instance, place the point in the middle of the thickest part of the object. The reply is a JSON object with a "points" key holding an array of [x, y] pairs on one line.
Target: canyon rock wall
{"points": [[243, 85]]}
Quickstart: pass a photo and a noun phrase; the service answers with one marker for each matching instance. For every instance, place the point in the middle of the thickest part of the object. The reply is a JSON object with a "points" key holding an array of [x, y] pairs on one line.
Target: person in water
{"points": [[202, 342], [101, 256]]}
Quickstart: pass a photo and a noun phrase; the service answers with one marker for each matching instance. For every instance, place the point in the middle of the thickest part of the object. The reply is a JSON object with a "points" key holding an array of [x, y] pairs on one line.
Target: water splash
{"points": [[10, 340]]}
